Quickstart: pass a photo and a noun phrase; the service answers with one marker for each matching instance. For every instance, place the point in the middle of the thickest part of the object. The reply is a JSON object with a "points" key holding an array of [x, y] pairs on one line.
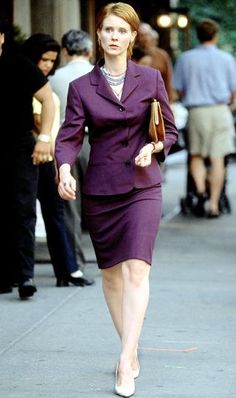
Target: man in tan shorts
{"points": [[205, 79]]}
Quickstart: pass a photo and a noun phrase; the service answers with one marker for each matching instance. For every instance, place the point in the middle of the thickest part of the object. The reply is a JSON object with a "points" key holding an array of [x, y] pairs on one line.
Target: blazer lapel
{"points": [[103, 89], [131, 81]]}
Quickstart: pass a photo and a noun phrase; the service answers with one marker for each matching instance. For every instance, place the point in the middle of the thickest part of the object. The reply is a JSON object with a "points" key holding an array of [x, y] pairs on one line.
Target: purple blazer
{"points": [[117, 129]]}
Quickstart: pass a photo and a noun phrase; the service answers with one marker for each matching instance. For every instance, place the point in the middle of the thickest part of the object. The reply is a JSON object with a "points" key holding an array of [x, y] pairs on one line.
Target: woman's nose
{"points": [[114, 35]]}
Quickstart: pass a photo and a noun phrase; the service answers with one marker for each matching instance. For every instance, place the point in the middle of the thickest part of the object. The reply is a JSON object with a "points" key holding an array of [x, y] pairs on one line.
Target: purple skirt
{"points": [[123, 226]]}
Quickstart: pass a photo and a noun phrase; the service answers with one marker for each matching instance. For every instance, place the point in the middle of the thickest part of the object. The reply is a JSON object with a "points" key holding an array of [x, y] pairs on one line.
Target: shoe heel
{"points": [[61, 282]]}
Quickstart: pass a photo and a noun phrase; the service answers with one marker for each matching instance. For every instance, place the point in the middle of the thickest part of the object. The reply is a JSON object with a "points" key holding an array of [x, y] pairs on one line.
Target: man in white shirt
{"points": [[77, 50], [205, 80]]}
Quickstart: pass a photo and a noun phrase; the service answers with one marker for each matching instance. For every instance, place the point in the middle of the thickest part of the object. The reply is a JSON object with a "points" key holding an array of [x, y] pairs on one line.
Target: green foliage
{"points": [[222, 11], [18, 36]]}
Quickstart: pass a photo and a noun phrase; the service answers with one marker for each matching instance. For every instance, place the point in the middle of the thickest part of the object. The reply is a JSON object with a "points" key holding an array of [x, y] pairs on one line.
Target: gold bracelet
{"points": [[44, 138]]}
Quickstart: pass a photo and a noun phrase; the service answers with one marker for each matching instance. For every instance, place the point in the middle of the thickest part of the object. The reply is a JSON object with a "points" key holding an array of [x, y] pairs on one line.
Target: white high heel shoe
{"points": [[123, 391]]}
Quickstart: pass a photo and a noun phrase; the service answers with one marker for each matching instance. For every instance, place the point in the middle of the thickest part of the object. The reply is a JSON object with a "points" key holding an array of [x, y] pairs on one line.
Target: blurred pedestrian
{"points": [[205, 79], [147, 39], [122, 189], [20, 80], [77, 51], [140, 57], [44, 51]]}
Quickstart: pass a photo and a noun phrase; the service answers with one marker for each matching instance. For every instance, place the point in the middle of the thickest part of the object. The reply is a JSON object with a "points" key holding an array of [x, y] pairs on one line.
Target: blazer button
{"points": [[121, 109], [127, 163], [125, 143]]}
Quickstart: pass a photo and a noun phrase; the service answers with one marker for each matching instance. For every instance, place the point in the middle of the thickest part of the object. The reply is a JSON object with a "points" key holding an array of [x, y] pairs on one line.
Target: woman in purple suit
{"points": [[122, 189]]}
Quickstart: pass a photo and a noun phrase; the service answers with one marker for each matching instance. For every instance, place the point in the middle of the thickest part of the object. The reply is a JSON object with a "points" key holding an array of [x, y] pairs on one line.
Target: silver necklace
{"points": [[113, 80]]}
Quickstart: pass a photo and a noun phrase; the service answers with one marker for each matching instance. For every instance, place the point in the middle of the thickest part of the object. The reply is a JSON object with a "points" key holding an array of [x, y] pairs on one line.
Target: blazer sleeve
{"points": [[168, 117], [71, 134]]}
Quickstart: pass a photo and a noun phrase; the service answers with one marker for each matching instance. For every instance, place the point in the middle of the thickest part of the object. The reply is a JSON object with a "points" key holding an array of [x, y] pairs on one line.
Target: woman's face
{"points": [[115, 35], [46, 62]]}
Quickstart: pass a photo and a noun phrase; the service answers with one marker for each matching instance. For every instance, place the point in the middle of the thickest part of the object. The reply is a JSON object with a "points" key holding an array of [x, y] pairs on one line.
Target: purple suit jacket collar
{"points": [[130, 84]]}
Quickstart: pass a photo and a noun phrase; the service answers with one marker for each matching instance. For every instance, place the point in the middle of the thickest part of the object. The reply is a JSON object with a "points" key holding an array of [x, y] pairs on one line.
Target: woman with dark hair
{"points": [[37, 45], [44, 51]]}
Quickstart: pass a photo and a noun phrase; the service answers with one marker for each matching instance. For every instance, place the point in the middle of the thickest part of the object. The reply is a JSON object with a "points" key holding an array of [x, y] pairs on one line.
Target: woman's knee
{"points": [[112, 277], [135, 271]]}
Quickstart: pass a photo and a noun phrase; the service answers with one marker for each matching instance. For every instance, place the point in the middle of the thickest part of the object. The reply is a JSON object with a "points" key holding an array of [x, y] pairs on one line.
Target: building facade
{"points": [[55, 17]]}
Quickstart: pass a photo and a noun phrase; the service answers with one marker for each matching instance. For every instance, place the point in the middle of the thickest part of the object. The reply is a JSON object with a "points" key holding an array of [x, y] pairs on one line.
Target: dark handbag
{"points": [[156, 129]]}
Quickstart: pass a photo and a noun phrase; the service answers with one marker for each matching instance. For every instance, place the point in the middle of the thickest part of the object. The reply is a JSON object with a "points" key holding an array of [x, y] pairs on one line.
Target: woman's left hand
{"points": [[144, 157]]}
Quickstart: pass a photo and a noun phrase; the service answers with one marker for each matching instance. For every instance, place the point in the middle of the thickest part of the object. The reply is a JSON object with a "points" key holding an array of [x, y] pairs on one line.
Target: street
{"points": [[61, 344]]}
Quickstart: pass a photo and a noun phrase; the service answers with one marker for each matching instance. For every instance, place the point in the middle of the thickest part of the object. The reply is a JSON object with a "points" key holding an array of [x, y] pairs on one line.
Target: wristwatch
{"points": [[44, 138]]}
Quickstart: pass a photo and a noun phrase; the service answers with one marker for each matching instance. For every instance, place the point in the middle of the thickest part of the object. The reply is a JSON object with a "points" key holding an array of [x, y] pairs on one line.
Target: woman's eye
{"points": [[122, 31], [108, 29], [48, 60]]}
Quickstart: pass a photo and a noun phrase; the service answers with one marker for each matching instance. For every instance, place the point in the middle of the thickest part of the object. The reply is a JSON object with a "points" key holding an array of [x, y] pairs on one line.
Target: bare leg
{"points": [[126, 290], [198, 172], [217, 173], [112, 279], [113, 293], [135, 300]]}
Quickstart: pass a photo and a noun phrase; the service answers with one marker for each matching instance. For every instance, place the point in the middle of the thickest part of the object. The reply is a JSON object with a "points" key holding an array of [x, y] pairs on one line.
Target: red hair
{"points": [[124, 11]]}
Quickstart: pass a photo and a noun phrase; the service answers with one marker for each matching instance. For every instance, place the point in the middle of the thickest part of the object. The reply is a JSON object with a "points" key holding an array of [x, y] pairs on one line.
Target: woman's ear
{"points": [[134, 35]]}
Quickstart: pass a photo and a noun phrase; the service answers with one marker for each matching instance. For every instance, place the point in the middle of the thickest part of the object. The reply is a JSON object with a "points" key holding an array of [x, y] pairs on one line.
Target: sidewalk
{"points": [[61, 344]]}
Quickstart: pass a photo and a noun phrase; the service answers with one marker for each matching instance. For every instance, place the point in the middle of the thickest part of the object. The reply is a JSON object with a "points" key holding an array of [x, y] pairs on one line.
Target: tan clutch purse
{"points": [[156, 129]]}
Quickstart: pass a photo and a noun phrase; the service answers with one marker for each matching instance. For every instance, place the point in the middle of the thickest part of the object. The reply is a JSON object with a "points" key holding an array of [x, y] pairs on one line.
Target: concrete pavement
{"points": [[61, 343]]}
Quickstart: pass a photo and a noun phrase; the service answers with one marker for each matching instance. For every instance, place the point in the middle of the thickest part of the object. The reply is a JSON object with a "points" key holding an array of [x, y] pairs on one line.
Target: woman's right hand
{"points": [[67, 183]]}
